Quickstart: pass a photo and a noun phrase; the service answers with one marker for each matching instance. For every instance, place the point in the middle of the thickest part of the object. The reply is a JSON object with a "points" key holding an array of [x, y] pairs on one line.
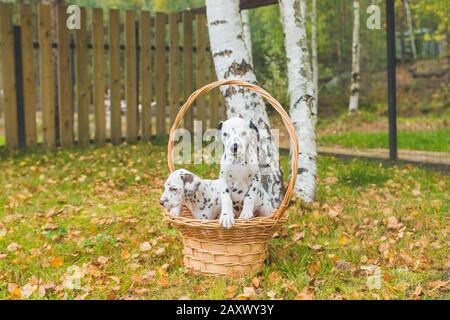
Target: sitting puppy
{"points": [[240, 179], [202, 196]]}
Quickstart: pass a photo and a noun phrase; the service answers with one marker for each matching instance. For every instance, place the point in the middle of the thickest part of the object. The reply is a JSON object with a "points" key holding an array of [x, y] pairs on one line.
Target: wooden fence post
{"points": [[146, 76], [201, 65], [64, 95], [82, 79], [46, 75], [130, 76], [29, 74], [187, 67], [174, 71], [114, 77], [161, 99], [8, 72], [99, 75]]}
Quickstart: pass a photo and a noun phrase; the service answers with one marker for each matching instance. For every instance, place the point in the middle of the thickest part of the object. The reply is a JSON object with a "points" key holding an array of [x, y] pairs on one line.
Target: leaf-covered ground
{"points": [[86, 224]]}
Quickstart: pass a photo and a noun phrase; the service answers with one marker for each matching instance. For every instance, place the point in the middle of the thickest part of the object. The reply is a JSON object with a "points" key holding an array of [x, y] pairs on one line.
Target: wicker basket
{"points": [[208, 247]]}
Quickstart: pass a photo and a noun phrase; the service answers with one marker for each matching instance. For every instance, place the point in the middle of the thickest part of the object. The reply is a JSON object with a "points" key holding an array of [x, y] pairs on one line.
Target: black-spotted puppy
{"points": [[202, 196], [240, 179]]}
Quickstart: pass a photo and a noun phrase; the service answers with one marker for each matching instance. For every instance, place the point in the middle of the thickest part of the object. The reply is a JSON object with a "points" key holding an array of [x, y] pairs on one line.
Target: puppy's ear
{"points": [[253, 127], [191, 183], [219, 127]]}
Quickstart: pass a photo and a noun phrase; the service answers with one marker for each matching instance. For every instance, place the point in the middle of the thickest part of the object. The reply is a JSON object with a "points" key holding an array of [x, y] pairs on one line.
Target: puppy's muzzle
{"points": [[234, 147]]}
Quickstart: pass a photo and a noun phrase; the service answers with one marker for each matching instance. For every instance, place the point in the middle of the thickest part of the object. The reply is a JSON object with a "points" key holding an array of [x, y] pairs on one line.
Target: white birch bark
{"points": [[246, 33], [301, 91], [356, 47], [410, 28], [315, 62], [232, 61]]}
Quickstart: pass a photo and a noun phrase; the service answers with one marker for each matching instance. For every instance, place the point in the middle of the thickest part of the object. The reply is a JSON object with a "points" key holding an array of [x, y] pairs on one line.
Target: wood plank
{"points": [[187, 67], [9, 76], [214, 97], [46, 75], [130, 76], [174, 68], [98, 44], [29, 74], [82, 81], [114, 78], [146, 75], [201, 66], [161, 99], [64, 90]]}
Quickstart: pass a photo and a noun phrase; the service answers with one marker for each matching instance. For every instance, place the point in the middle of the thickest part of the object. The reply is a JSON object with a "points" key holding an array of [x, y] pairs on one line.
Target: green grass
{"points": [[88, 211], [2, 140], [409, 140]]}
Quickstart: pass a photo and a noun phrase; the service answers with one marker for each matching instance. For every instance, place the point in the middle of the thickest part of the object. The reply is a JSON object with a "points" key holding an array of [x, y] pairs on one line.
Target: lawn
{"points": [[438, 140], [86, 224]]}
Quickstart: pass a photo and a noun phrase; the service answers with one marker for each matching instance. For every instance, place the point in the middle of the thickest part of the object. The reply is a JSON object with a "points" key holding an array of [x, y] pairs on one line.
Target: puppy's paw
{"points": [[176, 212], [226, 220], [246, 214]]}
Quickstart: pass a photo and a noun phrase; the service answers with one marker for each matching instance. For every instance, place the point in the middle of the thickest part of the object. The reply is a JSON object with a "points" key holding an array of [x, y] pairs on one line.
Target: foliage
{"points": [[86, 224], [407, 140]]}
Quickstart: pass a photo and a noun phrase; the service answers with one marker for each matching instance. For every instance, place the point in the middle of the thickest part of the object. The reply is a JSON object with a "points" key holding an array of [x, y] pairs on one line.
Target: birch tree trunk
{"points": [[301, 91], [247, 34], [410, 29], [315, 63], [232, 61], [356, 48]]}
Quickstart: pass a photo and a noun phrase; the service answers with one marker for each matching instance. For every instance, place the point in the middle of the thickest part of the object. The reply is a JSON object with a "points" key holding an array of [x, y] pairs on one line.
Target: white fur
{"points": [[240, 186], [202, 196]]}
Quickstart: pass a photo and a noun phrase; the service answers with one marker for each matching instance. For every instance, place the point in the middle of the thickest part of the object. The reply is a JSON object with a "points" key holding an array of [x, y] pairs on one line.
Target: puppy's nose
{"points": [[234, 147], [161, 202]]}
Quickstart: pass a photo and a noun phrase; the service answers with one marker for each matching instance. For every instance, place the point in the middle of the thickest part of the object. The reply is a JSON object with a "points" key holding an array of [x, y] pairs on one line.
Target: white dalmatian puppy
{"points": [[240, 185], [202, 196]]}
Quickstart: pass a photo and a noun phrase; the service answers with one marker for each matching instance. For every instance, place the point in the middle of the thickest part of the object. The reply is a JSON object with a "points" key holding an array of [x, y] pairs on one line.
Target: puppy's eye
{"points": [[173, 189], [225, 134]]}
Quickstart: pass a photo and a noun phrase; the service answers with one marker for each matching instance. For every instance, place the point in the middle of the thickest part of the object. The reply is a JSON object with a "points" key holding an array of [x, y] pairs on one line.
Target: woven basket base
{"points": [[232, 259]]}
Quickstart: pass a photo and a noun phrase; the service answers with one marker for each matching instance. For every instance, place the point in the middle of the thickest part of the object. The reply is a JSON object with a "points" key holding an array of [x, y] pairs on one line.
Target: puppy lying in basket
{"points": [[201, 196], [240, 179]]}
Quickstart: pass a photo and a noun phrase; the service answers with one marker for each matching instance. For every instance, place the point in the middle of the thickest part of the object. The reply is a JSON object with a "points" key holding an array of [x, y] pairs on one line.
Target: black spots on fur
{"points": [[187, 178], [254, 188], [240, 191], [227, 190], [231, 176], [234, 190]]}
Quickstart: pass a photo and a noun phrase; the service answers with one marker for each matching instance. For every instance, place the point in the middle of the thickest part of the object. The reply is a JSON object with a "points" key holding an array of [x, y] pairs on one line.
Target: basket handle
{"points": [[273, 102]]}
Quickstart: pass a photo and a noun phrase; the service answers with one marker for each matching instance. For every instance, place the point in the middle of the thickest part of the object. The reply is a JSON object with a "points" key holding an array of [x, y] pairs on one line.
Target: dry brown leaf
{"points": [[56, 262], [256, 282], [13, 247], [102, 260], [305, 295], [231, 290], [145, 246], [298, 236], [417, 293]]}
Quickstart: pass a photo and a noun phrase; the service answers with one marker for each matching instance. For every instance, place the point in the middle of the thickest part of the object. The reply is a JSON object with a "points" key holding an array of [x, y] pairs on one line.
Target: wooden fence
{"points": [[65, 87]]}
